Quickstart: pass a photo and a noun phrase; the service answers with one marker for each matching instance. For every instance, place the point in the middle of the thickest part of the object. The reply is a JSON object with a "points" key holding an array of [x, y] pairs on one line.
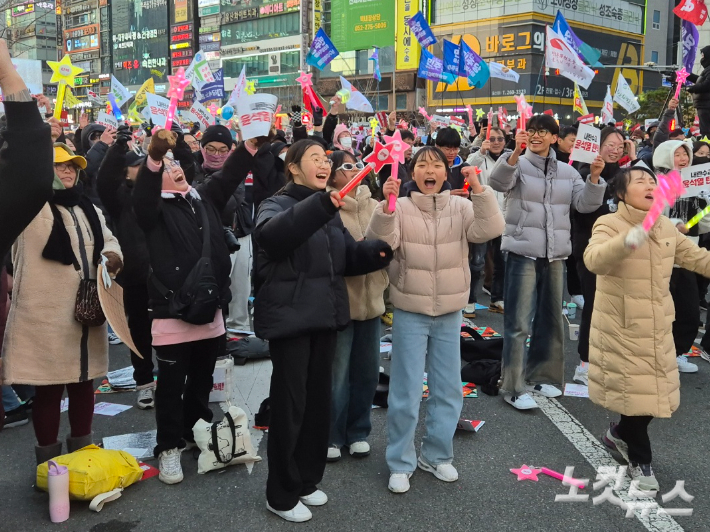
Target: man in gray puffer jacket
{"points": [[540, 192]]}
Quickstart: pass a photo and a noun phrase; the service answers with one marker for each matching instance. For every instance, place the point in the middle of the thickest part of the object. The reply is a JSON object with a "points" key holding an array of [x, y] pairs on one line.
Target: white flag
{"points": [[357, 100], [239, 88], [608, 107], [120, 92], [199, 72], [559, 54], [502, 72], [624, 96], [202, 115]]}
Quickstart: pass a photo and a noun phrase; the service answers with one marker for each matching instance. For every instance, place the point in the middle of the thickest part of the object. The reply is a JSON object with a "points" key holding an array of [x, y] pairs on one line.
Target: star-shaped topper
{"points": [[480, 113], [398, 146], [251, 87], [523, 107], [178, 84], [305, 79], [64, 71], [526, 472], [373, 124], [681, 75], [380, 156], [705, 139]]}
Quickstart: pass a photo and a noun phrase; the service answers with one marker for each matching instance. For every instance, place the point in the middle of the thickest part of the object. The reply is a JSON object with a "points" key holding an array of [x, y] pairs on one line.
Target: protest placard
{"points": [[586, 147]]}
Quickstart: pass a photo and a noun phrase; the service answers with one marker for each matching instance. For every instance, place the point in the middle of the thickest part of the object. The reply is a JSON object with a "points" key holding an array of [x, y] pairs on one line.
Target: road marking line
{"points": [[597, 456]]}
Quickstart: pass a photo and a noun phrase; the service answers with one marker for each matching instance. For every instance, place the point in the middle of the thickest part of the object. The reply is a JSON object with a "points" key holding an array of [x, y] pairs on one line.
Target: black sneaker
{"points": [[16, 417]]}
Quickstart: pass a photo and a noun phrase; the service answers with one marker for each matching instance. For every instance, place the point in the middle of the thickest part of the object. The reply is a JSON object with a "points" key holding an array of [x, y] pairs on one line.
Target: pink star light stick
{"points": [[670, 188], [680, 77], [178, 83], [381, 156], [526, 472], [397, 153]]}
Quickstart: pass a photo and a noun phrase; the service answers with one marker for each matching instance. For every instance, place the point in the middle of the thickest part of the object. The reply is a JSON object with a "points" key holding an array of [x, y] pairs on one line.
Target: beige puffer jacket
{"points": [[365, 292], [632, 359], [429, 234]]}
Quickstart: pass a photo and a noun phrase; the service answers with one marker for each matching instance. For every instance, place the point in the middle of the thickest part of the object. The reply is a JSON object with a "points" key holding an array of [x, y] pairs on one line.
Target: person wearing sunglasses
{"points": [[485, 158], [540, 192], [356, 365]]}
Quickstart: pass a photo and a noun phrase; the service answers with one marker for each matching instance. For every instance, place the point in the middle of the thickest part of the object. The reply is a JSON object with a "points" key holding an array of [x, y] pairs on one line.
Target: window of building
{"points": [[654, 56], [258, 65], [656, 19], [401, 101], [380, 103], [262, 28]]}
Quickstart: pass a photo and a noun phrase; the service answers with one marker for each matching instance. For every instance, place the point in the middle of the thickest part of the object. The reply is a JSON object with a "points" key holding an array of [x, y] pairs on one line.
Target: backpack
{"points": [[249, 348], [475, 347], [484, 373], [197, 300]]}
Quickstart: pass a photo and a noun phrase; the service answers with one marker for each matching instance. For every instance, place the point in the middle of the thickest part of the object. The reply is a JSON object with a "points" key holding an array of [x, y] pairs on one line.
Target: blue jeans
{"points": [[356, 371], [9, 399], [476, 261], [533, 290], [422, 342]]}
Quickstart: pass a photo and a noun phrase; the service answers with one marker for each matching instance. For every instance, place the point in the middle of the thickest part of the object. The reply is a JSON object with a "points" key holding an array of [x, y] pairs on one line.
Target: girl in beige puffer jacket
{"points": [[632, 362], [429, 232]]}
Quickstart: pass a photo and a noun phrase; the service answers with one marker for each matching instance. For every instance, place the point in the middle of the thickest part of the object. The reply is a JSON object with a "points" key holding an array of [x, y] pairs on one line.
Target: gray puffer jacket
{"points": [[540, 193]]}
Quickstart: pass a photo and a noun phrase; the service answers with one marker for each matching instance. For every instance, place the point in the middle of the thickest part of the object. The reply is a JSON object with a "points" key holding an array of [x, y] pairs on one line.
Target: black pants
{"points": [[574, 287], [183, 391], [634, 431], [704, 119], [299, 428], [135, 301], [684, 290], [498, 278], [588, 283]]}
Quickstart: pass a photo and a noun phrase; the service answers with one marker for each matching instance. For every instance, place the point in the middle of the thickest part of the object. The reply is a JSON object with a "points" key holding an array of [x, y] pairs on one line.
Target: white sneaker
{"points": [[497, 306], [359, 449], [317, 498], [445, 472], [546, 390], [399, 482], [169, 465], [521, 402], [146, 398], [469, 311], [297, 514], [643, 474], [684, 366], [581, 374], [114, 340], [579, 301], [333, 453]]}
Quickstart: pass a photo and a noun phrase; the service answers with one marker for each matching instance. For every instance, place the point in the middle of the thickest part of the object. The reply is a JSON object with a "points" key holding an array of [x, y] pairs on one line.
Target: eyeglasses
{"points": [[614, 147], [172, 163], [322, 161], [194, 143], [497, 139], [64, 167], [542, 133], [349, 167], [213, 151]]}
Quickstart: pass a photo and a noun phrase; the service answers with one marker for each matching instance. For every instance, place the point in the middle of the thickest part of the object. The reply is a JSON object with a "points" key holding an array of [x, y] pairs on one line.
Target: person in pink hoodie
{"points": [[343, 140]]}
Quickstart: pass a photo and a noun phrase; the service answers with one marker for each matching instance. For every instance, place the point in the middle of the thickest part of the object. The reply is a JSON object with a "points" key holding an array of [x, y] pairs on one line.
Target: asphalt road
{"points": [[486, 496]]}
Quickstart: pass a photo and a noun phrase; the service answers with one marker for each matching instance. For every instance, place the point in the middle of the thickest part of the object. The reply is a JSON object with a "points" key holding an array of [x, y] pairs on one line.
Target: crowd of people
{"points": [[193, 223]]}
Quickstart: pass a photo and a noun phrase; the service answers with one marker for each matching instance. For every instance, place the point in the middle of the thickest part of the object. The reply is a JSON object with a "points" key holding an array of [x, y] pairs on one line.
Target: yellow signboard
{"points": [[407, 47]]}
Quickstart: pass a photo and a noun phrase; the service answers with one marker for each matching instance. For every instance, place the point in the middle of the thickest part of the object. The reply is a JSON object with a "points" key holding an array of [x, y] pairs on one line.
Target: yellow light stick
{"points": [[63, 72], [695, 219]]}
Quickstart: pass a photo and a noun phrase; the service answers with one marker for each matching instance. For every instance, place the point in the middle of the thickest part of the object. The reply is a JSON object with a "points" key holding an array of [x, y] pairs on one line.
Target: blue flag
{"points": [[322, 51], [431, 67], [475, 68], [584, 51], [421, 30], [451, 59], [689, 40], [376, 67], [213, 90]]}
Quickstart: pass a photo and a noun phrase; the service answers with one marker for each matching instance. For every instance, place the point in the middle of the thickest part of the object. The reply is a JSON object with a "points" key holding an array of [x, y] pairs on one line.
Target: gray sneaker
{"points": [[643, 474], [615, 444]]}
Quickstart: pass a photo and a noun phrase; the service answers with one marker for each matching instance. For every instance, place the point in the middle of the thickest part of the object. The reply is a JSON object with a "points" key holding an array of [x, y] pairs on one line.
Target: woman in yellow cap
{"points": [[45, 345]]}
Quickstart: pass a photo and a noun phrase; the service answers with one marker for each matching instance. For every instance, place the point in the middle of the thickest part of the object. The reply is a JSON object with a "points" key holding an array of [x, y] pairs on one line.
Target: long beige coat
{"points": [[365, 292], [633, 369], [43, 341], [429, 234]]}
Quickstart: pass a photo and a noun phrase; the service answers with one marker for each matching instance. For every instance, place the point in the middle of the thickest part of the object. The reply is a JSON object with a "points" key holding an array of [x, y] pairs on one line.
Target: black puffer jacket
{"points": [[304, 253], [269, 175], [701, 84], [94, 157], [172, 228]]}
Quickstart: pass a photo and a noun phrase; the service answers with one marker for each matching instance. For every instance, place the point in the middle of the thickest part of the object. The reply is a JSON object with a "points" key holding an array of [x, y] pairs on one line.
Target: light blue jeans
{"points": [[9, 399], [423, 343], [356, 371]]}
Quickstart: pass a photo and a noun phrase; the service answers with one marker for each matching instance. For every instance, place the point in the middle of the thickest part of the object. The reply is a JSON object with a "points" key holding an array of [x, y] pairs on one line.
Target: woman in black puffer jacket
{"points": [[304, 253]]}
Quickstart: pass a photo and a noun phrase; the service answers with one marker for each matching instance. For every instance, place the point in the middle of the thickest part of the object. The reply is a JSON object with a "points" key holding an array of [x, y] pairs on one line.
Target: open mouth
{"points": [[649, 197], [179, 179], [322, 175], [429, 183]]}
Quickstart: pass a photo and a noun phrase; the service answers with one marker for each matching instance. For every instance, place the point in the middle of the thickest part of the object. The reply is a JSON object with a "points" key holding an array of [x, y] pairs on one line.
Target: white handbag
{"points": [[225, 443]]}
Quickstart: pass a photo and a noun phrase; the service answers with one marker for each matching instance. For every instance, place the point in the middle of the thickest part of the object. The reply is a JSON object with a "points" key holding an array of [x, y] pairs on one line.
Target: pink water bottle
{"points": [[58, 484]]}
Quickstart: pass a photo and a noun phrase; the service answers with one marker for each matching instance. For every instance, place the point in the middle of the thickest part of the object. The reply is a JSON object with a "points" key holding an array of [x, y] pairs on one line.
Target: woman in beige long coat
{"points": [[44, 344], [633, 369]]}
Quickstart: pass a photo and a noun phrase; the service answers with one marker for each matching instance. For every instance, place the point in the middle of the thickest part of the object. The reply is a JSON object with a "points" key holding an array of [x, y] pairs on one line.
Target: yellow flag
{"points": [[133, 113], [579, 106], [148, 86], [69, 99]]}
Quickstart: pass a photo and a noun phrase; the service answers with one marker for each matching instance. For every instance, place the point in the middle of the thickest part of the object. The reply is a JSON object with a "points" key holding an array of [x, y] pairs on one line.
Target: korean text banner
{"points": [[362, 24], [407, 46]]}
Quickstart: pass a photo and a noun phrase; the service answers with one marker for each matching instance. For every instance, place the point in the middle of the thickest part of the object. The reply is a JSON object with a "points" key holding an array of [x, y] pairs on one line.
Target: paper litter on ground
{"points": [[385, 347], [138, 453], [110, 409], [481, 307], [694, 352], [468, 389], [469, 425], [121, 378], [135, 440], [576, 390], [148, 471]]}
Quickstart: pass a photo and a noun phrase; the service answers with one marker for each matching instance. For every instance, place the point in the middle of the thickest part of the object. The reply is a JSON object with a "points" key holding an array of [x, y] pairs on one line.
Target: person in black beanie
{"points": [[216, 143]]}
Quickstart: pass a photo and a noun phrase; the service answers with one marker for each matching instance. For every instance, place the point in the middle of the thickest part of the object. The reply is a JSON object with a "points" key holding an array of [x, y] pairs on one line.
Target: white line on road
{"points": [[597, 456]]}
